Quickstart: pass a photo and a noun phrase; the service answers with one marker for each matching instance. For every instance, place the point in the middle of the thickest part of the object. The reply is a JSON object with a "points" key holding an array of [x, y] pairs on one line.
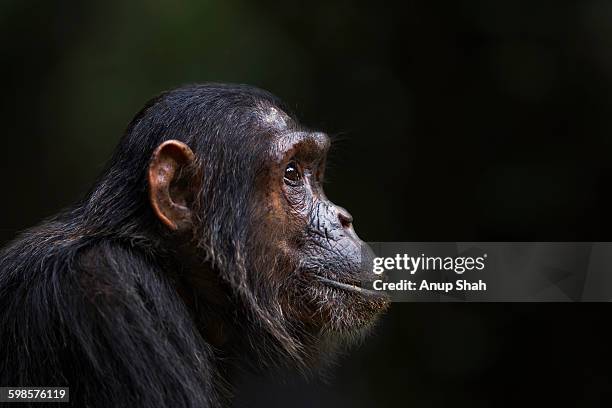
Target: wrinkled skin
{"points": [[327, 288]]}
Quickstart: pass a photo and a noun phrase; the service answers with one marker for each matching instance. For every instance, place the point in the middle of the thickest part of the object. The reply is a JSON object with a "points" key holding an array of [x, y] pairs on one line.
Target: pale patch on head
{"points": [[273, 117]]}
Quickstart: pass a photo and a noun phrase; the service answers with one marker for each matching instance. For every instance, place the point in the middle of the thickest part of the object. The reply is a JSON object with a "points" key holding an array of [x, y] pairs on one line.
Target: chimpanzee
{"points": [[206, 243]]}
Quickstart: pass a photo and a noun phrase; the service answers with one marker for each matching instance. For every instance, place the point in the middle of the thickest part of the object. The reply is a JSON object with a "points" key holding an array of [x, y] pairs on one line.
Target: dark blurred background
{"points": [[457, 121]]}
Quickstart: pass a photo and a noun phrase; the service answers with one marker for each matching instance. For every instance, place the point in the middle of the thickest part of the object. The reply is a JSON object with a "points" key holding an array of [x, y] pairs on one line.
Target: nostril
{"points": [[346, 219]]}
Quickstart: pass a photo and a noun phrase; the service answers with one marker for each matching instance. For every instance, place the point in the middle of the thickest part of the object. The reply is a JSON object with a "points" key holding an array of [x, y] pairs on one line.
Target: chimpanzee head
{"points": [[234, 193]]}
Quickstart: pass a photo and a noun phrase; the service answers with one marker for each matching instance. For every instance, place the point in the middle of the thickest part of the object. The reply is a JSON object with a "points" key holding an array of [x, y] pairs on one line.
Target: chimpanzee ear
{"points": [[171, 184]]}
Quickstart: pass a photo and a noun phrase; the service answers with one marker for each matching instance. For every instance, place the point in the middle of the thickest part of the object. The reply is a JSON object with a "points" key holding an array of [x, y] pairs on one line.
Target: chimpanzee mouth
{"points": [[349, 287]]}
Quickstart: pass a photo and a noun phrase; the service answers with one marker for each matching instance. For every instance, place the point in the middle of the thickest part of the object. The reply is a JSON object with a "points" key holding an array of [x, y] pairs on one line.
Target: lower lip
{"points": [[349, 288]]}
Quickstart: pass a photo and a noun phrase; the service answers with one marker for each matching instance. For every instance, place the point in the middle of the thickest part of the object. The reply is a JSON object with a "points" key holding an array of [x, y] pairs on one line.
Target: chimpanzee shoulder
{"points": [[99, 316]]}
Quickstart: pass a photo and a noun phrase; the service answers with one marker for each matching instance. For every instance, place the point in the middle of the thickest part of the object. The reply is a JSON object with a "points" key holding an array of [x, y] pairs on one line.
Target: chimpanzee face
{"points": [[326, 287]]}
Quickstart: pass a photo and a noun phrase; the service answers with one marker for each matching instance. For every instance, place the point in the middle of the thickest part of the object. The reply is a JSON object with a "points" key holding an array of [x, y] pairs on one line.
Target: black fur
{"points": [[88, 298]]}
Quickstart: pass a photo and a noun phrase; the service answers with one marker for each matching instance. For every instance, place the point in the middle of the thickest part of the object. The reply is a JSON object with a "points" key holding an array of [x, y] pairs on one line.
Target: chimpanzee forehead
{"points": [[315, 144]]}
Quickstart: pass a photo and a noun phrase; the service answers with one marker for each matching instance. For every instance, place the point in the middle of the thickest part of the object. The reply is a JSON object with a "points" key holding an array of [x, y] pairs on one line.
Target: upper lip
{"points": [[349, 287]]}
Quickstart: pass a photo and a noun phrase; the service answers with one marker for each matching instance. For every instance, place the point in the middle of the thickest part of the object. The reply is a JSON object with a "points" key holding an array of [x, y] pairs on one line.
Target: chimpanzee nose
{"points": [[346, 219]]}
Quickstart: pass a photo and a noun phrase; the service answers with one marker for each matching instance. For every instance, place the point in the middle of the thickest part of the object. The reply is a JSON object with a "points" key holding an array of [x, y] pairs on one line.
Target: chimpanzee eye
{"points": [[292, 174]]}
